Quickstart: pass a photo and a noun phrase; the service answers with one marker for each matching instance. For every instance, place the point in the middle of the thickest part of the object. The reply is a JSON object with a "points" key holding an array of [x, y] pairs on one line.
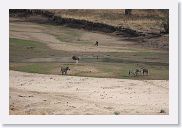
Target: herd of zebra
{"points": [[138, 71]]}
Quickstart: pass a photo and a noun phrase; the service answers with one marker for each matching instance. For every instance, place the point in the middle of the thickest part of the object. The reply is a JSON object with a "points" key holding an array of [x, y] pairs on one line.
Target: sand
{"points": [[39, 94]]}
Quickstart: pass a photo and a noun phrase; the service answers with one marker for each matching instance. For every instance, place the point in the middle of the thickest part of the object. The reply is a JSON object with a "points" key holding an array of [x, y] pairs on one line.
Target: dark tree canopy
{"points": [[128, 11], [165, 22]]}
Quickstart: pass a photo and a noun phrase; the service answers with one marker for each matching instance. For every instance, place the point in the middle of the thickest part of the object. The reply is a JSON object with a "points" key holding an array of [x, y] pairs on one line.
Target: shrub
{"points": [[116, 113], [162, 111]]}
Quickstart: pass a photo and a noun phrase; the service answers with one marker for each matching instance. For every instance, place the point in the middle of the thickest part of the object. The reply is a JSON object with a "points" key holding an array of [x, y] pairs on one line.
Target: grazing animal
{"points": [[64, 70], [137, 71], [97, 57], [97, 43], [76, 58], [131, 72], [145, 71], [134, 72], [30, 47]]}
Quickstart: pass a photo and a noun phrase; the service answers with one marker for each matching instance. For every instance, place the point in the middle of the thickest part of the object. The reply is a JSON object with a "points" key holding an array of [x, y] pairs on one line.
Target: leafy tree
{"points": [[165, 22], [128, 11]]}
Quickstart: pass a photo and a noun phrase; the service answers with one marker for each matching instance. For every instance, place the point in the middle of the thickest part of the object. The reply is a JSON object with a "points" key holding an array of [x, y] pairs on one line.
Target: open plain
{"points": [[99, 84]]}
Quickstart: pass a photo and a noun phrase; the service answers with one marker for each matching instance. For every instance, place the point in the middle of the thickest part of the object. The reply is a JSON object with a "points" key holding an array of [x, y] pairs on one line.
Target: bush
{"points": [[116, 113], [162, 111], [128, 11], [166, 26]]}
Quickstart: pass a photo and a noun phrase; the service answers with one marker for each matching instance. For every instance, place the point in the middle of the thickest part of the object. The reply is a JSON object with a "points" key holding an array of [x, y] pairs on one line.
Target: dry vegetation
{"points": [[148, 20]]}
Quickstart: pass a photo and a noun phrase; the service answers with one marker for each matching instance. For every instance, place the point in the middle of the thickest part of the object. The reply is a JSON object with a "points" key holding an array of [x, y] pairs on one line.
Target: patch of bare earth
{"points": [[56, 94]]}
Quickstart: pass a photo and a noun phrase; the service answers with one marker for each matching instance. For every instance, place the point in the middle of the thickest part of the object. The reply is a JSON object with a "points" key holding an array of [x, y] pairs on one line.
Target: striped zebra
{"points": [[64, 70]]}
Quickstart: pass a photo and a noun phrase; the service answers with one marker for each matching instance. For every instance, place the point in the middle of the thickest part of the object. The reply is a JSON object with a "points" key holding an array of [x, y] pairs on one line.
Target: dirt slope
{"points": [[54, 94]]}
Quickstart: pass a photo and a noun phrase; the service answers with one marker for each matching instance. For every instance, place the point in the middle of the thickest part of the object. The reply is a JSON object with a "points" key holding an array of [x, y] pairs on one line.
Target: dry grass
{"points": [[145, 20]]}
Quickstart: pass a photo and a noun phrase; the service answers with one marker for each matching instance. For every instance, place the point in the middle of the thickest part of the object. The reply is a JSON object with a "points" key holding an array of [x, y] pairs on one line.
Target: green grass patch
{"points": [[98, 70], [20, 50], [33, 67], [24, 43]]}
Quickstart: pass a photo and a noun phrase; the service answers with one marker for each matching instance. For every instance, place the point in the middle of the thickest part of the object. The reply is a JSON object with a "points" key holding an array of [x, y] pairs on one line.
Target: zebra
{"points": [[137, 71], [76, 58], [145, 71], [132, 72], [64, 70]]}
